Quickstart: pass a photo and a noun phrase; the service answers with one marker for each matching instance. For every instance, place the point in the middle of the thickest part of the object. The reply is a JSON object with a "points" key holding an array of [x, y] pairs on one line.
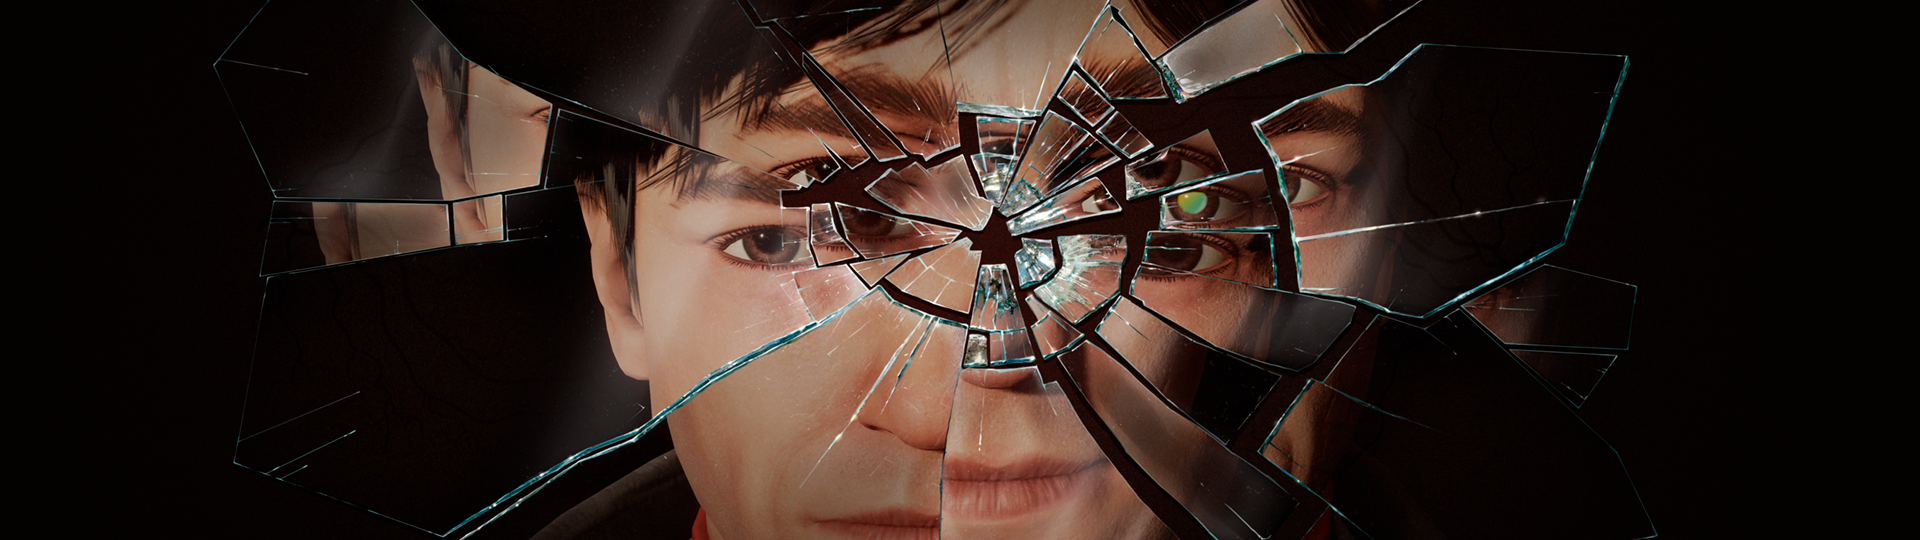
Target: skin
{"points": [[838, 434]]}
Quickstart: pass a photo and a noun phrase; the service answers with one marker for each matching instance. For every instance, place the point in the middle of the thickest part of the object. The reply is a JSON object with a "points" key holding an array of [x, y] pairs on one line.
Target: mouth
{"points": [[887, 525], [980, 491]]}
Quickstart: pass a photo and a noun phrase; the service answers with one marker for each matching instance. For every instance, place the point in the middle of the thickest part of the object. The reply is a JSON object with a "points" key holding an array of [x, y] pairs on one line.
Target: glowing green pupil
{"points": [[1192, 202]]}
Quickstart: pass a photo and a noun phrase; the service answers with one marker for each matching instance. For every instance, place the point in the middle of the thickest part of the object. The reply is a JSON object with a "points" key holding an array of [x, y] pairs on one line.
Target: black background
{"points": [[157, 256]]}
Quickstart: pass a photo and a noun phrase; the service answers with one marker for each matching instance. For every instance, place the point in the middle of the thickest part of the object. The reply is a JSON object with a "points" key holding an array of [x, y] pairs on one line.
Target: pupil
{"points": [[1193, 202], [867, 224], [768, 247]]}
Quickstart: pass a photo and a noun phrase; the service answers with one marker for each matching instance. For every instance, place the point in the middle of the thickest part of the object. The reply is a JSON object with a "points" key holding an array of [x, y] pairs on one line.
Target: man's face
{"points": [[855, 427]]}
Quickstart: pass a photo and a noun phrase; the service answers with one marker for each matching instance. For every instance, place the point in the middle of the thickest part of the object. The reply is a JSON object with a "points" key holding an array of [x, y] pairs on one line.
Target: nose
{"points": [[914, 402]]}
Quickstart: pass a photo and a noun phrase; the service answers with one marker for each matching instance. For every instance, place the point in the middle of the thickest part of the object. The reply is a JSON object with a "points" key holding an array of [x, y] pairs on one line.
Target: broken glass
{"points": [[1467, 199], [876, 234], [1089, 275], [1264, 33], [945, 193], [1003, 136], [1438, 432], [479, 220], [306, 235], [994, 172], [827, 289], [1229, 497], [1051, 332], [1218, 391], [1057, 141], [872, 270], [1086, 200], [828, 245], [1237, 257], [1012, 66], [1239, 202], [1034, 260], [1272, 327], [1192, 160], [1554, 306], [1084, 100], [1117, 63], [997, 316], [1121, 134], [1169, 26], [1010, 429], [944, 276], [394, 112], [1574, 374]]}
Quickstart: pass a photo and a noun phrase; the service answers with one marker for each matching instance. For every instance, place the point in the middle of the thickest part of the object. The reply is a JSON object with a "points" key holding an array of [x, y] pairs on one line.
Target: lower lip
{"points": [[1011, 498]]}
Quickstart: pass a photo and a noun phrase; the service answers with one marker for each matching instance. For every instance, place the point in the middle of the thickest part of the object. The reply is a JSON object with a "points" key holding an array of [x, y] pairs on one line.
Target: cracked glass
{"points": [[754, 223]]}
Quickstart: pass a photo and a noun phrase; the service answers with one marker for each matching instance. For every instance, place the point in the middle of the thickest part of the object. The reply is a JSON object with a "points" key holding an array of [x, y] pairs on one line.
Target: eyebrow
{"points": [[924, 103], [1315, 115]]}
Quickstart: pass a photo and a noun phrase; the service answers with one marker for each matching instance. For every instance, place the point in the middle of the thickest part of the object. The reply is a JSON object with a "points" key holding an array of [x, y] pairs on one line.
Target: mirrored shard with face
{"points": [[1192, 160], [1089, 275], [305, 235], [944, 193], [1239, 202], [1245, 258], [1056, 142], [994, 172], [944, 276], [1216, 390], [1556, 307], [1084, 100], [1034, 260], [1086, 200], [1385, 164], [1003, 136], [872, 270], [823, 235], [1274, 328], [1229, 497], [876, 234], [1052, 333]]}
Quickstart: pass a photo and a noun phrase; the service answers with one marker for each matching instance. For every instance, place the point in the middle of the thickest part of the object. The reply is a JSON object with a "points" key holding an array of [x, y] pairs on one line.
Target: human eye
{"points": [[1177, 165], [764, 246], [1210, 205], [1170, 256], [807, 171], [874, 225], [1305, 187]]}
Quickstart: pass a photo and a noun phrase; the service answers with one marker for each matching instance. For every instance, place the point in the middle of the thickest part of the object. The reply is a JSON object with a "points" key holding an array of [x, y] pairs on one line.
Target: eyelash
{"points": [[1327, 185], [1232, 252]]}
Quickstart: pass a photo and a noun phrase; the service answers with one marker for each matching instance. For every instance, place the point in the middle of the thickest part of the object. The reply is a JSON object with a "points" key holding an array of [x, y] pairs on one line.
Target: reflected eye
{"points": [[1206, 205], [1303, 186], [1175, 166], [1190, 253], [807, 172], [874, 225], [764, 245]]}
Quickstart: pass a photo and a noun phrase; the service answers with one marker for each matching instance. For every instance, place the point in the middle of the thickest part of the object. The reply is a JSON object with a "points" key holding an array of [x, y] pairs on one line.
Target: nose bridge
{"points": [[915, 400]]}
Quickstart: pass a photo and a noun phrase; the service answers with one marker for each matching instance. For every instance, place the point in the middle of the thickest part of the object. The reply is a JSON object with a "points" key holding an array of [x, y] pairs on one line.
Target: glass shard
{"points": [[826, 290], [1492, 149], [997, 316], [391, 112], [1193, 160], [1052, 332], [1239, 202], [1574, 374], [876, 234], [944, 276], [1055, 142], [944, 193], [308, 235], [1554, 306], [1237, 257], [1089, 275], [891, 84], [1230, 498], [1086, 200], [994, 172], [1034, 260], [1121, 134], [1255, 37], [1003, 136], [1005, 417], [1275, 328], [479, 220], [1085, 101], [1117, 62], [828, 245], [872, 270], [1458, 441], [1218, 391]]}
